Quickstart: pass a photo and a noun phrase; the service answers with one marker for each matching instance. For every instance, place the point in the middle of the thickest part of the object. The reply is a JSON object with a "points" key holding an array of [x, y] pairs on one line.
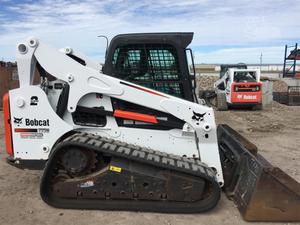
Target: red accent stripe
{"points": [[143, 89], [135, 116], [151, 92], [21, 130], [7, 127]]}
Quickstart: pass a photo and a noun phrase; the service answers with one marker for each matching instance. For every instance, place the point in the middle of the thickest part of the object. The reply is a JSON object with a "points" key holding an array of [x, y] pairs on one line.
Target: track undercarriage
{"points": [[89, 171]]}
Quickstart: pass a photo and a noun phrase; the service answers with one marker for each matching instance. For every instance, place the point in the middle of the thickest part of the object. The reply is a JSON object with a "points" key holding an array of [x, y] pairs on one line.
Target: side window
{"points": [[226, 80], [164, 64], [228, 83], [152, 65]]}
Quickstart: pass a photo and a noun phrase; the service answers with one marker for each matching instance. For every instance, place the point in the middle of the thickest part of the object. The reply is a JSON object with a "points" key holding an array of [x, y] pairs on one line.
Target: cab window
{"points": [[155, 66]]}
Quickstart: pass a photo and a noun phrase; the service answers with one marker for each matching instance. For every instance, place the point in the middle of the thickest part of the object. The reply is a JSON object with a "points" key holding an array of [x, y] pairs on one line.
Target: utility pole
{"points": [[261, 56]]}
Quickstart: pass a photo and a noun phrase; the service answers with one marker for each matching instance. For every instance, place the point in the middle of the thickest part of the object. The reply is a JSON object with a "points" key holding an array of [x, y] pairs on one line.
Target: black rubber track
{"points": [[150, 157]]}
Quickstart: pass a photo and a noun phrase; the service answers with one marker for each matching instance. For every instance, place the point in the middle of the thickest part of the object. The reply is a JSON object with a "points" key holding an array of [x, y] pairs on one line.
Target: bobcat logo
{"points": [[34, 100], [198, 116], [18, 121]]}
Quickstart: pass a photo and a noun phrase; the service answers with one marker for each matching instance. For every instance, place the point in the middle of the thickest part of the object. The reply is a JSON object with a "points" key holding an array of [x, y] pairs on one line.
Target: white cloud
{"points": [[215, 23]]}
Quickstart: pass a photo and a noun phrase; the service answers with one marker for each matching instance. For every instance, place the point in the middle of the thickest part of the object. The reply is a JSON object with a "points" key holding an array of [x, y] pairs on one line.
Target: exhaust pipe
{"points": [[261, 191]]}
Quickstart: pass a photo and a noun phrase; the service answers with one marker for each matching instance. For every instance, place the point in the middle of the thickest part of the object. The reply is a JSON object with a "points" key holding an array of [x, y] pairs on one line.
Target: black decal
{"points": [[34, 100], [18, 121], [198, 116], [37, 123]]}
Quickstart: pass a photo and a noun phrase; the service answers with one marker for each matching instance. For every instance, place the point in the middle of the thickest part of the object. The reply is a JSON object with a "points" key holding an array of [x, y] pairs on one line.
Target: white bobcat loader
{"points": [[239, 88], [108, 143]]}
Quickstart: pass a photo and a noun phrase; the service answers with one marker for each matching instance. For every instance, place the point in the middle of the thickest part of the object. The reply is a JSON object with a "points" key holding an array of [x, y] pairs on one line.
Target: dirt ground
{"points": [[275, 130]]}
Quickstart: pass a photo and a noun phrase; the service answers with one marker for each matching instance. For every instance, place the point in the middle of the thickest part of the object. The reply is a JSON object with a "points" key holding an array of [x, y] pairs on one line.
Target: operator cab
{"points": [[244, 76], [155, 60], [224, 67], [238, 78]]}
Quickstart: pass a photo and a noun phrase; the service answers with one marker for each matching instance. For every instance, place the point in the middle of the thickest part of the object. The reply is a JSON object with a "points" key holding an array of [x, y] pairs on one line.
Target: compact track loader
{"points": [[108, 143], [239, 88]]}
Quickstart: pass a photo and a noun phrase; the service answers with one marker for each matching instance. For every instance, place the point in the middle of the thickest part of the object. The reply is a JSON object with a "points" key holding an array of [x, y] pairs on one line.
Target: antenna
{"points": [[103, 36]]}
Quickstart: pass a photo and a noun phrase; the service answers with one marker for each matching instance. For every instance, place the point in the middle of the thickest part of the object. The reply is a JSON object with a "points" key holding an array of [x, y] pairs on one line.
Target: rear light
{"points": [[7, 126], [250, 88]]}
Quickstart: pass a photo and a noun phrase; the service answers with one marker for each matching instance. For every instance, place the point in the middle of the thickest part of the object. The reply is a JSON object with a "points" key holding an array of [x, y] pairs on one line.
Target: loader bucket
{"points": [[261, 191]]}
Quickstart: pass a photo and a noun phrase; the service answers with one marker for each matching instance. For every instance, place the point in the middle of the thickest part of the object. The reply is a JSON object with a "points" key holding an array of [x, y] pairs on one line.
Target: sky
{"points": [[225, 31]]}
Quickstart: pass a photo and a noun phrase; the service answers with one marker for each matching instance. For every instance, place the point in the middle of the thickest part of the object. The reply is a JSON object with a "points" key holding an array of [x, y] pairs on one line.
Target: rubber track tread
{"points": [[135, 153]]}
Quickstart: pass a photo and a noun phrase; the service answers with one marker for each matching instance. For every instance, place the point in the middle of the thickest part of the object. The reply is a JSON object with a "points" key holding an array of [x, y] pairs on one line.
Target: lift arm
{"points": [[84, 80]]}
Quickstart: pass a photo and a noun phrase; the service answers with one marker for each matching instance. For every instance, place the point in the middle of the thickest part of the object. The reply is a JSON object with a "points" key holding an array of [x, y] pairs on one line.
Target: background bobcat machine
{"points": [[240, 88], [237, 87], [107, 143]]}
